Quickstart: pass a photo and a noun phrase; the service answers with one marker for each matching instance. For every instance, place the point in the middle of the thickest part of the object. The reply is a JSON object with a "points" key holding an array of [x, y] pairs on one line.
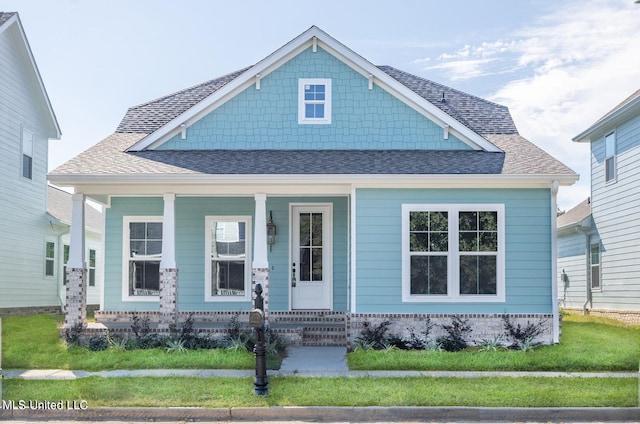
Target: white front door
{"points": [[311, 252]]}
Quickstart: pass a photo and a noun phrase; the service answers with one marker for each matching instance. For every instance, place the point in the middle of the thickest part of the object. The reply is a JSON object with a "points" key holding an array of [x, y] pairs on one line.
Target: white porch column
{"points": [[554, 262], [76, 278], [260, 264], [168, 268], [169, 233]]}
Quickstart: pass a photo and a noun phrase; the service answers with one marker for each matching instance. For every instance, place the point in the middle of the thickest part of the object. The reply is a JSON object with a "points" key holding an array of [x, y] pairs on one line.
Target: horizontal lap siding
{"points": [[616, 215], [572, 260], [23, 202], [379, 249], [190, 248]]}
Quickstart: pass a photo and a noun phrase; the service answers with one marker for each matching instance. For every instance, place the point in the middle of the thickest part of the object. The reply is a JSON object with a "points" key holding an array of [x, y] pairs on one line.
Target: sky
{"points": [[559, 65]]}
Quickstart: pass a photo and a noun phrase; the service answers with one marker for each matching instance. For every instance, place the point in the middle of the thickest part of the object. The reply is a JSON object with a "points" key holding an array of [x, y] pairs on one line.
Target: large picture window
{"points": [[143, 253], [453, 253], [228, 271]]}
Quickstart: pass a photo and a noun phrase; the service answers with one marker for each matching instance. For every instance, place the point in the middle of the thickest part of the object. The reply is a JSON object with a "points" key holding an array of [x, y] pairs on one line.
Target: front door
{"points": [[311, 268]]}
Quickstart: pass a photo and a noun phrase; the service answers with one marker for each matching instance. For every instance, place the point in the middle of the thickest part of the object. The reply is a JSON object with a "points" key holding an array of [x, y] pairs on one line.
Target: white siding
{"points": [[23, 221], [616, 215], [572, 261]]}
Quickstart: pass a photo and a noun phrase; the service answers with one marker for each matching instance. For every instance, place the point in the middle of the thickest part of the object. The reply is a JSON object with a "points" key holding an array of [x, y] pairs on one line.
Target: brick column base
{"points": [[76, 309], [168, 298], [261, 275]]}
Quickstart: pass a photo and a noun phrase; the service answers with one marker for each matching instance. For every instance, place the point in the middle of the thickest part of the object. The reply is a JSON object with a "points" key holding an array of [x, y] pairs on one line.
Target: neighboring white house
{"points": [[59, 210], [598, 247], [27, 122]]}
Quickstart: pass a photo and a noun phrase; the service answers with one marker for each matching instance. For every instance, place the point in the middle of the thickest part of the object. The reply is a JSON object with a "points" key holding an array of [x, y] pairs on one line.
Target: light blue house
{"points": [[598, 249], [351, 192]]}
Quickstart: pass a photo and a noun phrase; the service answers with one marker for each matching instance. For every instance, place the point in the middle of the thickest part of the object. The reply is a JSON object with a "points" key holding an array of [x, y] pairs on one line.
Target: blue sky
{"points": [[558, 65]]}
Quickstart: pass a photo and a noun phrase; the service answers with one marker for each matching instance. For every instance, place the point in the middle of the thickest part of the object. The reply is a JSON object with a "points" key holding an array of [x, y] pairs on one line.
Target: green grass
{"points": [[587, 344], [33, 342], [296, 391]]}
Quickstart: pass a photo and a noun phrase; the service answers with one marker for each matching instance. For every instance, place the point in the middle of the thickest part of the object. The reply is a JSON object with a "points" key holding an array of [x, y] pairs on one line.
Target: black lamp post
{"points": [[256, 319]]}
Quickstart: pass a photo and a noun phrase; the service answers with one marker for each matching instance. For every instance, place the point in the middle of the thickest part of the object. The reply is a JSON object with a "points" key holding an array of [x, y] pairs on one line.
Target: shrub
{"points": [[455, 341], [523, 337], [141, 326], [98, 343], [374, 336], [73, 336]]}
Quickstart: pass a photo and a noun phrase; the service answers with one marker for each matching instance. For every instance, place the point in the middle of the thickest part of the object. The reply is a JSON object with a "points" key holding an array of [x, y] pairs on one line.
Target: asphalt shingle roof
{"points": [[490, 120], [480, 115], [575, 214], [5, 16]]}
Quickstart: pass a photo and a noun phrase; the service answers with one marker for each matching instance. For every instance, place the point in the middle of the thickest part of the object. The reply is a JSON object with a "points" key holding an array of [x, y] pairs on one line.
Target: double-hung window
{"points": [[227, 266], [594, 261], [314, 101], [142, 255], [27, 154], [92, 268], [453, 253], [50, 259], [610, 157]]}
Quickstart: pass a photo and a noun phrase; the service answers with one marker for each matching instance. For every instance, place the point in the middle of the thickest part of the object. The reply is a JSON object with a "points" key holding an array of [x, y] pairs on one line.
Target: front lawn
{"points": [[33, 342], [297, 391], [587, 344]]}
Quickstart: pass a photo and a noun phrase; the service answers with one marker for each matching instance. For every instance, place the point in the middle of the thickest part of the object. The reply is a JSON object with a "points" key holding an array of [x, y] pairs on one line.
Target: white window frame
{"points": [[91, 268], [126, 220], [592, 265], [302, 119], [453, 255], [53, 260], [209, 220], [27, 150], [610, 157]]}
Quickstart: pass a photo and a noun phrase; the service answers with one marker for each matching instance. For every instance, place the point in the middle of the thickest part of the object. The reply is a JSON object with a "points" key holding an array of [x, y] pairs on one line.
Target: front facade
{"points": [[344, 188], [29, 245], [609, 269]]}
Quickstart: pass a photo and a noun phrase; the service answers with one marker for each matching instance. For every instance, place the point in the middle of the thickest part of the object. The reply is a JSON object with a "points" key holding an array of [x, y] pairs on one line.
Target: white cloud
{"points": [[573, 66]]}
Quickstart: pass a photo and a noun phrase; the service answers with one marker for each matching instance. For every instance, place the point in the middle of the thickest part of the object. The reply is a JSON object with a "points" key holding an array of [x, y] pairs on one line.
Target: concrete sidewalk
{"points": [[301, 361]]}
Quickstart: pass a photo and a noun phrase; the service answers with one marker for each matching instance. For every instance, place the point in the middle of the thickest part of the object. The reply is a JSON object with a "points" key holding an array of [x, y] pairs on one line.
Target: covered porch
{"points": [[296, 247]]}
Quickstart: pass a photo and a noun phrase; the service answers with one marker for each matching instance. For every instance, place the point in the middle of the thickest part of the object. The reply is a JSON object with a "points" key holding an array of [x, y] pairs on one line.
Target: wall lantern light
{"points": [[271, 231]]}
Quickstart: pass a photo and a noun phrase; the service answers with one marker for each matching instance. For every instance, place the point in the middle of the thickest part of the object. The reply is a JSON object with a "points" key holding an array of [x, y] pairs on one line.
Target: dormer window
{"points": [[314, 101]]}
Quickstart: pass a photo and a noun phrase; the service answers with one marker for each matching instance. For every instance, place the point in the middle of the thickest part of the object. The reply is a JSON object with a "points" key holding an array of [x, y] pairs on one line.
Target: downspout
{"points": [[589, 299], [554, 264]]}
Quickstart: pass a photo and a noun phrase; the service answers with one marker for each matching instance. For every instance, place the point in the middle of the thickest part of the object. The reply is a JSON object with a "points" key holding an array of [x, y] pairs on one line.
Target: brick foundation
{"points": [[76, 309], [483, 326]]}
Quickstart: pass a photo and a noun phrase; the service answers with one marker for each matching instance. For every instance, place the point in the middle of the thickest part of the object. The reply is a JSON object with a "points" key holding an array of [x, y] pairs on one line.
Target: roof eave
{"points": [[624, 113], [379, 180]]}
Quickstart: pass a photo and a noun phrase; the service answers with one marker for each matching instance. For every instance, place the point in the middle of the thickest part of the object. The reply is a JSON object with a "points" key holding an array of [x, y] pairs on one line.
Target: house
{"points": [[59, 209], [352, 193], [28, 247], [598, 248]]}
